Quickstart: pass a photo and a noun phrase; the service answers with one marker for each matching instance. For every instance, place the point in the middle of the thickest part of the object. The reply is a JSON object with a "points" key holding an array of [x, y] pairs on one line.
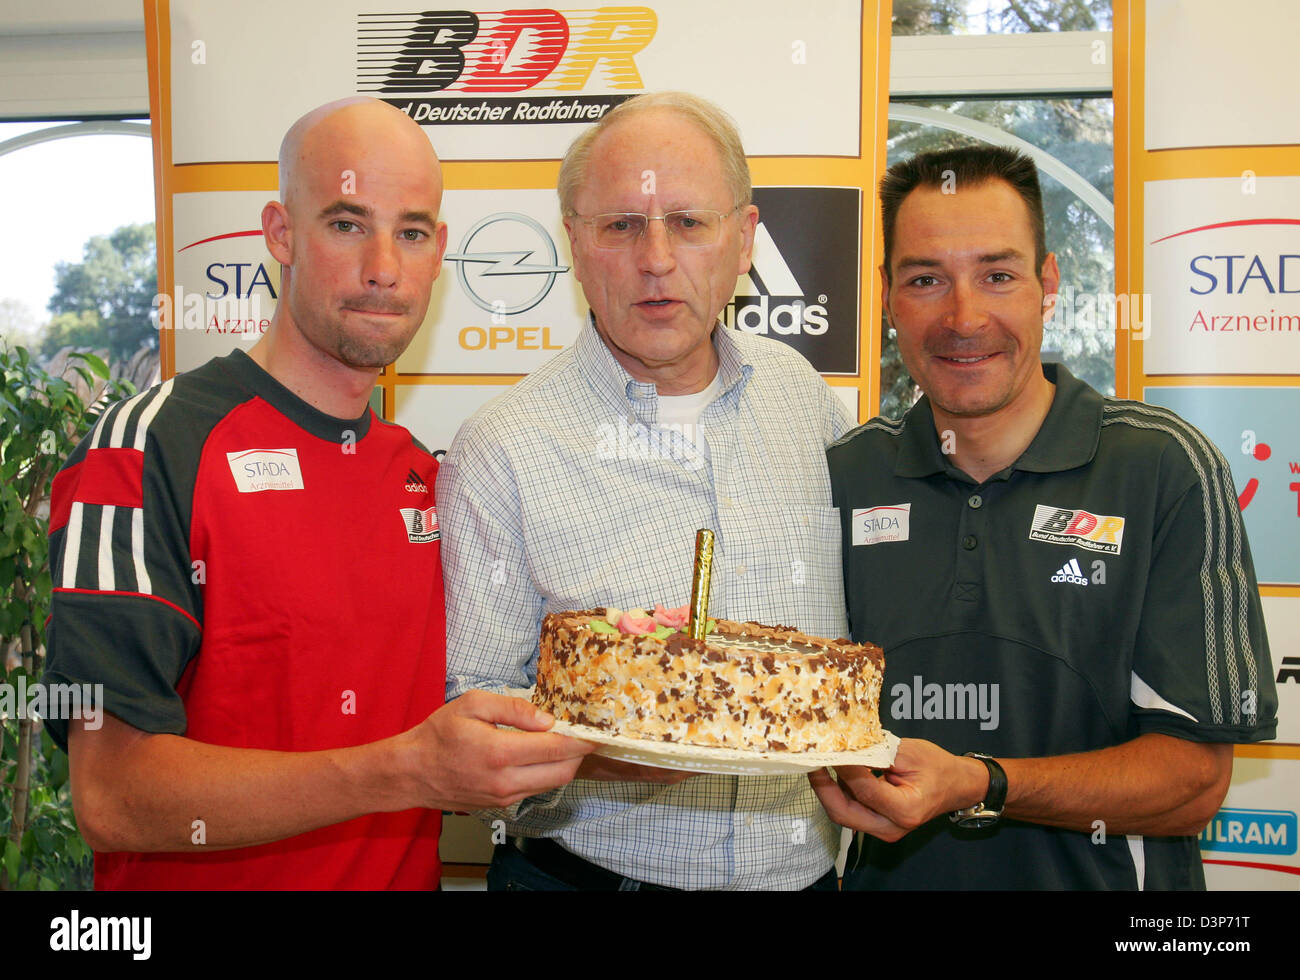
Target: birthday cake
{"points": [[744, 686]]}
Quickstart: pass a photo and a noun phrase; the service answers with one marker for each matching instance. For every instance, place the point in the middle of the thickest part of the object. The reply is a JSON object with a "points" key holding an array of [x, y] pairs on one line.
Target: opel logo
{"points": [[504, 294]]}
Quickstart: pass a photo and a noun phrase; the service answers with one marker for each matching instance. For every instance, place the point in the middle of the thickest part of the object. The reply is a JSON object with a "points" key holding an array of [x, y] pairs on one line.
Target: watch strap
{"points": [[987, 812]]}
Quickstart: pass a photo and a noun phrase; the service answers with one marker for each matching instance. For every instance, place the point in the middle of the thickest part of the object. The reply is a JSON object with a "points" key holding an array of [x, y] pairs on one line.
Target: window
{"points": [[1036, 75], [69, 185]]}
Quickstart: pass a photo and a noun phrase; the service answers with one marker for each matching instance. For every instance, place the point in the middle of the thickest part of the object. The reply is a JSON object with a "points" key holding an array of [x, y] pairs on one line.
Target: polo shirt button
{"points": [[976, 501], [969, 542], [740, 569]]}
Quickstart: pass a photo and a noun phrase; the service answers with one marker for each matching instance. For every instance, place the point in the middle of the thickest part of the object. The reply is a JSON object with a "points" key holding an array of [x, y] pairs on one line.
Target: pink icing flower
{"points": [[672, 618], [636, 622]]}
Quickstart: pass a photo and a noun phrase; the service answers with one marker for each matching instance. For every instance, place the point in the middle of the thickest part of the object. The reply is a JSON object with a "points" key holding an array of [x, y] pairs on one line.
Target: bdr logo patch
{"points": [[1061, 525]]}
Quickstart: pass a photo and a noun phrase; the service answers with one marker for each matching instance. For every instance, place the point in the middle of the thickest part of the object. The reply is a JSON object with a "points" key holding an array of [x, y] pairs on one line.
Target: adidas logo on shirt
{"points": [[1070, 572]]}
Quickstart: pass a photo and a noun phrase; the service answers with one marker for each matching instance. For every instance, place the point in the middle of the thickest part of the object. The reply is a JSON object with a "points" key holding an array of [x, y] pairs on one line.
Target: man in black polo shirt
{"points": [[1060, 581]]}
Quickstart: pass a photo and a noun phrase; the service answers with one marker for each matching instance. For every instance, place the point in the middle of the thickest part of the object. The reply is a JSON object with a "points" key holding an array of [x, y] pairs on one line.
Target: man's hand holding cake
{"points": [[460, 759], [924, 782]]}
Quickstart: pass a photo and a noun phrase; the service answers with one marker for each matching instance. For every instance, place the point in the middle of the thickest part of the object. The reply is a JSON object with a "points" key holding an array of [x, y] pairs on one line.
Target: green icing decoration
{"points": [[600, 626]]}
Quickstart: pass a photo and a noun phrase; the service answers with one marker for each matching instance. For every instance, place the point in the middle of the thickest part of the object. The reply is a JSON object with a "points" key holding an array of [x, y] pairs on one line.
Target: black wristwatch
{"points": [[984, 814]]}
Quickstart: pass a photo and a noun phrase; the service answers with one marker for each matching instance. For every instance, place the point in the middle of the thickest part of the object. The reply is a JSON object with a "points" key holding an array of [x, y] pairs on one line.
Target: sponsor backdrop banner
{"points": [[1222, 262], [493, 83], [506, 301], [1208, 229], [226, 282], [501, 92], [1282, 616], [1251, 842], [1254, 427]]}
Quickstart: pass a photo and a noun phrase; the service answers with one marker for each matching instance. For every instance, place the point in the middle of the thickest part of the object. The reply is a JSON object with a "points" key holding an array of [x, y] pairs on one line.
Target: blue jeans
{"points": [[510, 871]]}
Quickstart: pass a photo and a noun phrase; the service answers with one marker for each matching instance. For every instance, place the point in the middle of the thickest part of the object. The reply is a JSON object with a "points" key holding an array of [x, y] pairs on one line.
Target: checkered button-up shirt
{"points": [[564, 493]]}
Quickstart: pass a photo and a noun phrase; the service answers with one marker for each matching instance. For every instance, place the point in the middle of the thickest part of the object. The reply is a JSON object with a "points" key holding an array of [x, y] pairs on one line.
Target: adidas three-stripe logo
{"points": [[90, 560], [1070, 572]]}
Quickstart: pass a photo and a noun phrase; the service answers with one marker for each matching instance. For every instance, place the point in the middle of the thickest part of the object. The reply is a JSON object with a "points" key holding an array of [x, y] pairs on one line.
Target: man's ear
{"points": [[748, 223], [1051, 280], [884, 293], [277, 232], [570, 229], [440, 240]]}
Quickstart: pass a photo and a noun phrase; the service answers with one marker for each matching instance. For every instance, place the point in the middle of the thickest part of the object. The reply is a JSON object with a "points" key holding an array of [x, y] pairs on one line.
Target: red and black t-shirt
{"points": [[238, 568]]}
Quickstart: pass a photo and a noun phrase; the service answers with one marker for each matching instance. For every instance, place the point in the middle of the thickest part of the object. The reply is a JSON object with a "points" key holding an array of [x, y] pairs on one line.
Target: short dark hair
{"points": [[964, 166]]}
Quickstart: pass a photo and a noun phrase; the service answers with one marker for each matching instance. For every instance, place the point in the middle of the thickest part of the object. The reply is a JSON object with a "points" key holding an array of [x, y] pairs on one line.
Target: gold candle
{"points": [[699, 621]]}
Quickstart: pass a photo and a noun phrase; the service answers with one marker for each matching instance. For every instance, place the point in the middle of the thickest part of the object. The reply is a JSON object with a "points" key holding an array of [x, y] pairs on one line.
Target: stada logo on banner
{"points": [[1222, 266], [454, 66], [225, 283]]}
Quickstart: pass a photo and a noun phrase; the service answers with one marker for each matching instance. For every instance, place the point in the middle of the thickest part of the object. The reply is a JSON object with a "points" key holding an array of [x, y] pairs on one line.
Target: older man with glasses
{"points": [[585, 484]]}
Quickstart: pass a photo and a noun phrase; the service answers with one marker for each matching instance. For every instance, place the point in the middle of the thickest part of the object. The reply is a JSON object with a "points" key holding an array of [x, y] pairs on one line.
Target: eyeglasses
{"points": [[693, 229]]}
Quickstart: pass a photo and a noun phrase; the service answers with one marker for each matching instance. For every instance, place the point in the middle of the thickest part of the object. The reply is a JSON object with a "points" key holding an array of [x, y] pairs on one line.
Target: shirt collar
{"points": [[1067, 438], [303, 414], [639, 398]]}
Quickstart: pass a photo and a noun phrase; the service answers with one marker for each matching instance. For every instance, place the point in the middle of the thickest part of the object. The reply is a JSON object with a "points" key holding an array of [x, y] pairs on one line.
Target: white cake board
{"points": [[729, 762]]}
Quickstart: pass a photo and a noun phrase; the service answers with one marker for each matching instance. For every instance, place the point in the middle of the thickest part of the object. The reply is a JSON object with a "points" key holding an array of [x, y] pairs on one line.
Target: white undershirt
{"points": [[681, 413]]}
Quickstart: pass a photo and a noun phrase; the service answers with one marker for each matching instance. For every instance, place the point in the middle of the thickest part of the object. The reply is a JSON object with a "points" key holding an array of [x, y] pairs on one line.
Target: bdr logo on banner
{"points": [[501, 51]]}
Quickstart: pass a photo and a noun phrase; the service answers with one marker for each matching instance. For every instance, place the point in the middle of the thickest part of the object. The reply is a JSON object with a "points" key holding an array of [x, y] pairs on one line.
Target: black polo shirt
{"points": [[1098, 589]]}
